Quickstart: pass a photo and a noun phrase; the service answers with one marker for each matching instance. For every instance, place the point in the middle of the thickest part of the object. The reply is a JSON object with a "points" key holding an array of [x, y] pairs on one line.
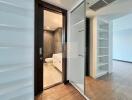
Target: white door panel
{"points": [[77, 47], [78, 14]]}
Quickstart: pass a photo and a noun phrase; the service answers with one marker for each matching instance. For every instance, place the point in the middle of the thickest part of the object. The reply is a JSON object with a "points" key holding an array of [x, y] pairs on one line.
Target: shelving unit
{"points": [[102, 48]]}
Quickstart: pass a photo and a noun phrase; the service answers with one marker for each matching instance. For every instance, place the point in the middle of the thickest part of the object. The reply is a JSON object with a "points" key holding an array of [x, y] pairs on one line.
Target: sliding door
{"points": [[77, 47], [16, 49]]}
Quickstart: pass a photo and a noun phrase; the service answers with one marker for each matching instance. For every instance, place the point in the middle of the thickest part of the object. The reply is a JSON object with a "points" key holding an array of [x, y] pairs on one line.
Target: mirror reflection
{"points": [[108, 75]]}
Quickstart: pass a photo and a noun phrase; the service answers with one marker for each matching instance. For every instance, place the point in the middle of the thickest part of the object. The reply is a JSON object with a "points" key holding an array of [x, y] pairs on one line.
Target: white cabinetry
{"points": [[102, 47], [99, 47]]}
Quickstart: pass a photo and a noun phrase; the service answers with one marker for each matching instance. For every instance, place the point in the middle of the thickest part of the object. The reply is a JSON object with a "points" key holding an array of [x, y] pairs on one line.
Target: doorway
{"points": [[40, 56], [52, 49]]}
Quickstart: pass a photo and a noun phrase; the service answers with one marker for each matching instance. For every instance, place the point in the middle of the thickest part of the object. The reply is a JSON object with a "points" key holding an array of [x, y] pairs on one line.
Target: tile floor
{"points": [[51, 75]]}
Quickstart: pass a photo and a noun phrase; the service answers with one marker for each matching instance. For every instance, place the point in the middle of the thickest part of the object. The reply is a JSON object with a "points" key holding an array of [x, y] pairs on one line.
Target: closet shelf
{"points": [[102, 30], [102, 39], [102, 47], [102, 64], [101, 73], [103, 56]]}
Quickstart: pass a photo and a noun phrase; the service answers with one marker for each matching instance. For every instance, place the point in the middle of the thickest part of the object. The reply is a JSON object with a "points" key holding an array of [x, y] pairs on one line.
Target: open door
{"points": [[39, 28]]}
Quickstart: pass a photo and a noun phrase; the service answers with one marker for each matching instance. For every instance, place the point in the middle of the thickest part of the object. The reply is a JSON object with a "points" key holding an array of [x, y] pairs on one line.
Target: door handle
{"points": [[81, 30], [81, 55], [40, 51], [41, 58]]}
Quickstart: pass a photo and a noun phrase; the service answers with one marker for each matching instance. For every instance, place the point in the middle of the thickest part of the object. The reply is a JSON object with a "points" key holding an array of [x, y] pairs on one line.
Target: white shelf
{"points": [[102, 39], [102, 47], [102, 64], [102, 30], [101, 73], [103, 56]]}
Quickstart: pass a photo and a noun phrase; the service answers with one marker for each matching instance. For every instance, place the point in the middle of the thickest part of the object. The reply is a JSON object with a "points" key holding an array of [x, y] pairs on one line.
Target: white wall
{"points": [[122, 38], [110, 46], [16, 49], [93, 46]]}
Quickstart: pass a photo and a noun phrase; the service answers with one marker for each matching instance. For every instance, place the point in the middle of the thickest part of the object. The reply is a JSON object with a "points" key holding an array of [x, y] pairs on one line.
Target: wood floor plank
{"points": [[61, 92], [115, 86]]}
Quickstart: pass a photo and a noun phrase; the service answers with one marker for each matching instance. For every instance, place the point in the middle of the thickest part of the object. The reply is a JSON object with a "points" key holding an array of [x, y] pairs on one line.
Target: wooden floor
{"points": [[61, 92], [115, 86]]}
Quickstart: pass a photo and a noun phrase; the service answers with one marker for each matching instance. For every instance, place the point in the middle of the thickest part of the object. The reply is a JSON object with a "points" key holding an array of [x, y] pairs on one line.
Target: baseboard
{"points": [[79, 90], [51, 86], [122, 60], [66, 82]]}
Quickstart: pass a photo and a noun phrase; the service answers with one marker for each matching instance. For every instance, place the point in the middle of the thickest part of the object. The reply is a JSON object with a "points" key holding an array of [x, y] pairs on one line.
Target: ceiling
{"points": [[52, 20], [66, 4], [114, 10]]}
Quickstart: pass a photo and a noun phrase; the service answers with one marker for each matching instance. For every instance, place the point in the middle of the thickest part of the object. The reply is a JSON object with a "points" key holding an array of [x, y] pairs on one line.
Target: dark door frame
{"points": [[40, 6], [87, 56]]}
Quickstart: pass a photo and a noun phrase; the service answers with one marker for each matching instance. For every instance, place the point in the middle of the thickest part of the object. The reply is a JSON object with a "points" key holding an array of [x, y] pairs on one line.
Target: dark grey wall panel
{"points": [[58, 40], [48, 44], [52, 42]]}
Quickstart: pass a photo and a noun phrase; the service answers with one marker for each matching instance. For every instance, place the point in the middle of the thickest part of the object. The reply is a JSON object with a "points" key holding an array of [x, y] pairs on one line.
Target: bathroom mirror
{"points": [[109, 50]]}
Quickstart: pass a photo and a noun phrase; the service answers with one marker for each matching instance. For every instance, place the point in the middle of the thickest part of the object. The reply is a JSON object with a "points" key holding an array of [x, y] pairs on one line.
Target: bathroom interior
{"points": [[52, 46]]}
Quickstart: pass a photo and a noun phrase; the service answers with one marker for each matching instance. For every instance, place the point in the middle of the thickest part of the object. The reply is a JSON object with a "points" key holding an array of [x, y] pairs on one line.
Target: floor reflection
{"points": [[115, 86]]}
